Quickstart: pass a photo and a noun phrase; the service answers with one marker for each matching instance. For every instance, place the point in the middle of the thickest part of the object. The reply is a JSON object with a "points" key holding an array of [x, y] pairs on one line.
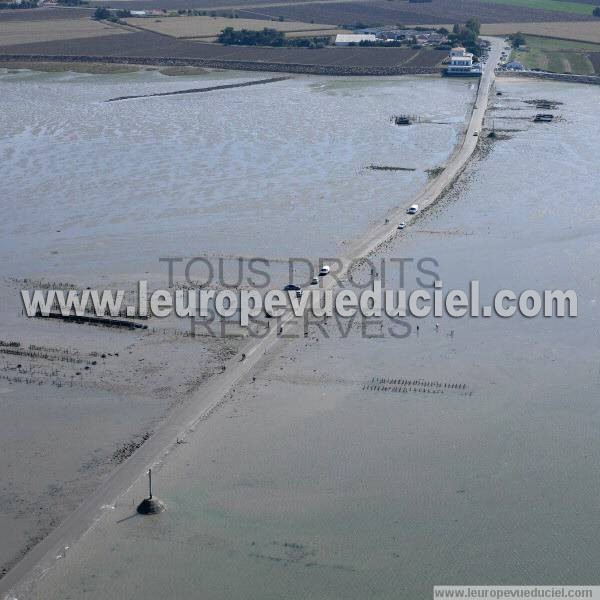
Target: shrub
{"points": [[101, 14]]}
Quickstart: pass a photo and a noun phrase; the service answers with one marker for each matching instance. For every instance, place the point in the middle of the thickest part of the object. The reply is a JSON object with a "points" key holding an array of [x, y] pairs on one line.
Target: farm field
{"points": [[216, 5], [34, 31], [557, 56], [143, 44], [210, 27], [371, 12], [43, 32], [588, 31], [392, 12], [44, 14], [579, 8], [545, 44]]}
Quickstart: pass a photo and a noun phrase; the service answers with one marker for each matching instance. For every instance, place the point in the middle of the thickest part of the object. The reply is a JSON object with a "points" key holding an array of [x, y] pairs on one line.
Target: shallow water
{"points": [[305, 485], [272, 170]]}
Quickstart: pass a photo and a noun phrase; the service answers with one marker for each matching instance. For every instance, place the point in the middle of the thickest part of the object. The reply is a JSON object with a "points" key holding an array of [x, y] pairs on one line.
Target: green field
{"points": [[556, 5], [558, 56], [553, 44]]}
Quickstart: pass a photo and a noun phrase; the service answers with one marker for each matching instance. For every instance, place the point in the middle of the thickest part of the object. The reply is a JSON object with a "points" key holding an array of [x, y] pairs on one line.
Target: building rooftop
{"points": [[354, 38]]}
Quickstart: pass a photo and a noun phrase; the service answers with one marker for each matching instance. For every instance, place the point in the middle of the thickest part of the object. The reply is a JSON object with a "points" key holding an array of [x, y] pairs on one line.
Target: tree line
{"points": [[266, 37], [467, 35]]}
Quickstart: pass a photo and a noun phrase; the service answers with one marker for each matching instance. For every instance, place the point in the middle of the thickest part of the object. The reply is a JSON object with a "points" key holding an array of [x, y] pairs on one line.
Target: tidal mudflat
{"points": [[225, 172], [311, 482], [94, 193]]}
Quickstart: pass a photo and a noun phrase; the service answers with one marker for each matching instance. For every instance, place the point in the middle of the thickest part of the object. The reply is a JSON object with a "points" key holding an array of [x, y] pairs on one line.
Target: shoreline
{"points": [[234, 65], [194, 66], [94, 68]]}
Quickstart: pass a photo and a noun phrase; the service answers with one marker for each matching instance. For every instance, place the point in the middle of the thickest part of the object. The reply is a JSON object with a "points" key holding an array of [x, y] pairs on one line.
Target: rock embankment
{"points": [[316, 69]]}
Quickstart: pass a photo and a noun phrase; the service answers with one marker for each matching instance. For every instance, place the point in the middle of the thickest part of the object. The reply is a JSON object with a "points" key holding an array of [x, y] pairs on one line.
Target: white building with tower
{"points": [[461, 64]]}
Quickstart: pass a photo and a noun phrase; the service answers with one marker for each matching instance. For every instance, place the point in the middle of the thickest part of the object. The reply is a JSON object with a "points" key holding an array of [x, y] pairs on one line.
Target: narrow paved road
{"points": [[454, 166], [180, 421]]}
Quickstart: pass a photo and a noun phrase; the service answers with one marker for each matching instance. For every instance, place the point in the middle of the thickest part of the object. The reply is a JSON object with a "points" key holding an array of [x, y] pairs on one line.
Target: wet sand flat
{"points": [[312, 480], [77, 400]]}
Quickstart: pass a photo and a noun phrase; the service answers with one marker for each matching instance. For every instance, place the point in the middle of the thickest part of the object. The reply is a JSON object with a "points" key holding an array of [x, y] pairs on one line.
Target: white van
{"points": [[413, 209]]}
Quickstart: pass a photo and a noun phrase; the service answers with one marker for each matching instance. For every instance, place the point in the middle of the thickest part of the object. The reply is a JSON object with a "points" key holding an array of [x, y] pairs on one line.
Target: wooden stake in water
{"points": [[150, 483]]}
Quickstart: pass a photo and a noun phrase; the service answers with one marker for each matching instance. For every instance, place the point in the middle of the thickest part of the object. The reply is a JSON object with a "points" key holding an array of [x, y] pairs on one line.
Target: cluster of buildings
{"points": [[460, 62], [148, 13], [389, 35]]}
